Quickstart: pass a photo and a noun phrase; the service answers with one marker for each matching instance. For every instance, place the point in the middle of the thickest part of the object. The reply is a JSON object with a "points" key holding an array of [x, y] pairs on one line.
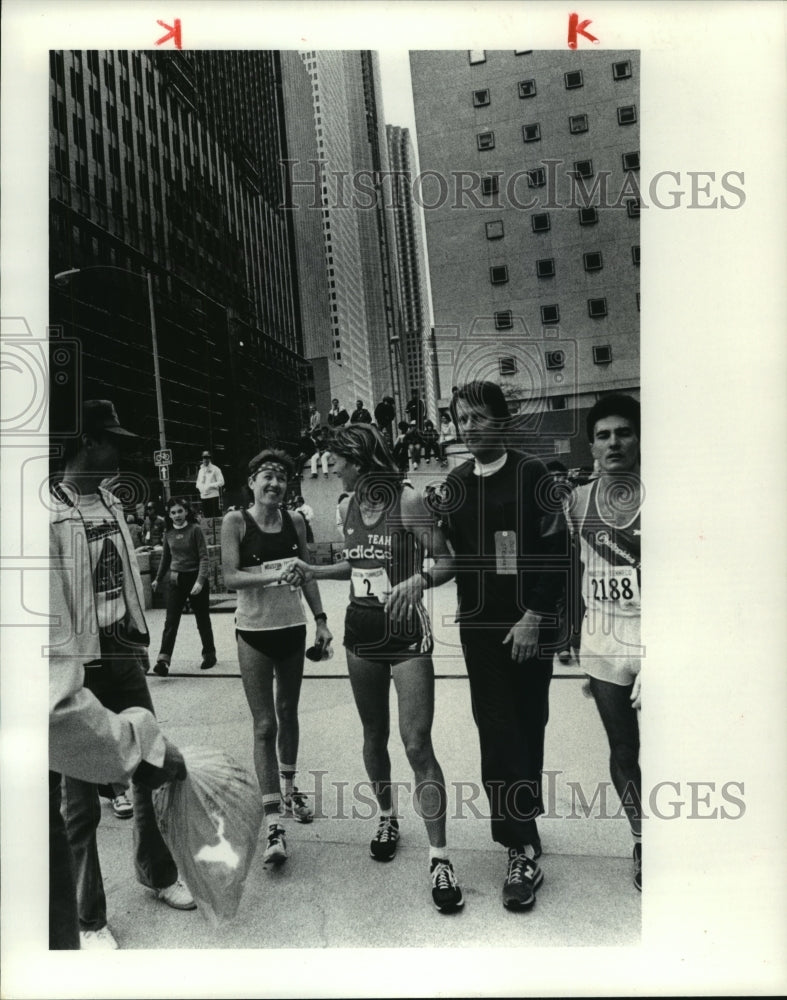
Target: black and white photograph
{"points": [[338, 380]]}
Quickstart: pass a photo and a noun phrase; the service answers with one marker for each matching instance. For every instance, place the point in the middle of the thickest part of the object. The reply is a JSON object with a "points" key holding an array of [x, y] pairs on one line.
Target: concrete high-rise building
{"points": [[416, 332], [529, 166], [168, 162], [346, 182]]}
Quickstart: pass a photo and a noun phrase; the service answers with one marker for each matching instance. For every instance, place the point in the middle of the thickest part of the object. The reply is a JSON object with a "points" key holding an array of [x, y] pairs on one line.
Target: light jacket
{"points": [[209, 481]]}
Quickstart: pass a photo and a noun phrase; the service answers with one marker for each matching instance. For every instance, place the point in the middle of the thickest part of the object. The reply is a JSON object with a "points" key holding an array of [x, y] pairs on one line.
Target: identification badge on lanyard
{"points": [[505, 553]]}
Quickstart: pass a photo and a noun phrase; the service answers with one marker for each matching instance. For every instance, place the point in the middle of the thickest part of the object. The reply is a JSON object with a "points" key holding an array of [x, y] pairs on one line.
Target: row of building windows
{"points": [[626, 113], [556, 360], [541, 222], [546, 268], [532, 133], [550, 314], [573, 79]]}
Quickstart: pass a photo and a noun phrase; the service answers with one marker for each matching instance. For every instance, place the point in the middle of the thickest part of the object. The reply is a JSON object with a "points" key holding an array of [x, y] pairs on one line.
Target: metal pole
{"points": [[157, 377]]}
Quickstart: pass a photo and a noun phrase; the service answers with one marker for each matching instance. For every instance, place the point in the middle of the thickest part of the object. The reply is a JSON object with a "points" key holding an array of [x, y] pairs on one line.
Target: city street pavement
{"points": [[330, 893]]}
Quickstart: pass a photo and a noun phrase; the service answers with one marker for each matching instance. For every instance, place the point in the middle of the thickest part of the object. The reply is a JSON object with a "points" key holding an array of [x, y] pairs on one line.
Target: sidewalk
{"points": [[330, 893]]}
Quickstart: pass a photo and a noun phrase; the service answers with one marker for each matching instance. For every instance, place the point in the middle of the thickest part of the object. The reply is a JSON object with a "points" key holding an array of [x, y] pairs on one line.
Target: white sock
{"points": [[440, 853], [530, 852]]}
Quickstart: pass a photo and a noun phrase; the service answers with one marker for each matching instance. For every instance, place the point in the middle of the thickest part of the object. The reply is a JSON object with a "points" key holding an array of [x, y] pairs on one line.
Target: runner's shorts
{"points": [[610, 648], [370, 635]]}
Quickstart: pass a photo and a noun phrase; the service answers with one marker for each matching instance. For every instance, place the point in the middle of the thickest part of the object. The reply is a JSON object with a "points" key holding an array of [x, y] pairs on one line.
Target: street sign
{"points": [[163, 472], [163, 457]]}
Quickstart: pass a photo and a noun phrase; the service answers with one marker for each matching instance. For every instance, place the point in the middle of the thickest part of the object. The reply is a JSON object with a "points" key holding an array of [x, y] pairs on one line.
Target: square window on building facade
{"points": [[621, 70], [507, 366], [577, 124], [635, 254], [494, 230], [504, 320], [573, 79], [531, 133], [588, 216], [555, 360], [583, 168], [476, 56], [630, 161], [550, 314], [602, 355], [485, 140], [593, 261], [536, 177], [597, 308], [498, 274], [540, 222], [545, 268], [527, 88], [559, 403], [632, 208], [490, 185], [627, 115], [480, 98]]}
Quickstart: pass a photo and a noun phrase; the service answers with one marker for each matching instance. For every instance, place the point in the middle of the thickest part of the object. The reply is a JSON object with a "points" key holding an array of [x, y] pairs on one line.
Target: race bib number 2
{"points": [[620, 587], [371, 583]]}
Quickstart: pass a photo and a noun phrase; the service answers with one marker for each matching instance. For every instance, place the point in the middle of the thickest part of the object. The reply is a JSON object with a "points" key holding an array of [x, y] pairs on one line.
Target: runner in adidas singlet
{"points": [[604, 516], [257, 545], [387, 635]]}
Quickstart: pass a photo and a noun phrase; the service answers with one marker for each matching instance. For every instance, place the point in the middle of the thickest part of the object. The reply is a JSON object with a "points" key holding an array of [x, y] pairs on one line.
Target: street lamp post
{"points": [[63, 276]]}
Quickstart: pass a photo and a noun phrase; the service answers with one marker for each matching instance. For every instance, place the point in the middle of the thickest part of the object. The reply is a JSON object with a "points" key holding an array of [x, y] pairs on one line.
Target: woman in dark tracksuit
{"points": [[186, 556]]}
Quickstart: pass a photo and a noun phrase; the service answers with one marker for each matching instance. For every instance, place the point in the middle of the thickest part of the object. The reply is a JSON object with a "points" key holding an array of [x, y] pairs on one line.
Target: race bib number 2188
{"points": [[620, 586]]}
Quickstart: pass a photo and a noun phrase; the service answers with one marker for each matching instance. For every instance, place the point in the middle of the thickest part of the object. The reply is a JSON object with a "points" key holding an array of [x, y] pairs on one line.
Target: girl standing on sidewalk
{"points": [[186, 553]]}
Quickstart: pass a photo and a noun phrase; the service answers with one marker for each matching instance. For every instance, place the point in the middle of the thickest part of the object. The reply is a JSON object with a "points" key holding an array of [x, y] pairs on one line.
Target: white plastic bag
{"points": [[211, 823]]}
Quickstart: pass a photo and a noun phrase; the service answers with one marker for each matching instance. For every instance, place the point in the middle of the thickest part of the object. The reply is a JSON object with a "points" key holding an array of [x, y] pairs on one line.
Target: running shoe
{"points": [[446, 894], [177, 896], [276, 851], [100, 940], [523, 878], [208, 661], [121, 806], [296, 805], [383, 845], [564, 656], [638, 867]]}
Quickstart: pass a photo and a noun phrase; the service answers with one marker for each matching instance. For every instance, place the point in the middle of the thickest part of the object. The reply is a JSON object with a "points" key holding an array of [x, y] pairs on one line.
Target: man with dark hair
{"points": [[337, 415], [99, 631], [416, 410], [511, 564], [604, 516], [360, 415], [210, 482], [385, 414]]}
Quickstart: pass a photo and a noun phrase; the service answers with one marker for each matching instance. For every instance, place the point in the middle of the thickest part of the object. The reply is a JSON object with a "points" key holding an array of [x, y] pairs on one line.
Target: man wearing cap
{"points": [[209, 484], [98, 657]]}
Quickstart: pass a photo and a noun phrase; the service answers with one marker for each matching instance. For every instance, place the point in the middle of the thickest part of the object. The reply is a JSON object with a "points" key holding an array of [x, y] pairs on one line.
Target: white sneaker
{"points": [[100, 940], [121, 806], [177, 896]]}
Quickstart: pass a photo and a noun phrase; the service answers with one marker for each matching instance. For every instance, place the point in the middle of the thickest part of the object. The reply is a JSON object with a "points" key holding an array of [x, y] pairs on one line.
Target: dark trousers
{"points": [[621, 723], [211, 506], [178, 592], [510, 704], [63, 916], [118, 683]]}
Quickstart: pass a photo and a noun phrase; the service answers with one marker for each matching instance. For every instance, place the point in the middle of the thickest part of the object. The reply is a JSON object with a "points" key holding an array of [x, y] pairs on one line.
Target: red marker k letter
{"points": [[174, 32], [574, 29]]}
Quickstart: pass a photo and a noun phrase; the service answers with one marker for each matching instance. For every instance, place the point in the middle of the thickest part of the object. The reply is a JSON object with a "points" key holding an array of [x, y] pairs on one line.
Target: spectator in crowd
{"points": [[447, 435], [314, 417], [153, 526], [401, 449], [306, 448], [134, 530], [337, 415], [186, 552], [307, 513], [604, 516], [568, 633], [430, 441], [511, 550], [416, 410], [384, 415], [95, 667], [271, 634], [360, 415], [414, 444], [321, 454], [210, 482]]}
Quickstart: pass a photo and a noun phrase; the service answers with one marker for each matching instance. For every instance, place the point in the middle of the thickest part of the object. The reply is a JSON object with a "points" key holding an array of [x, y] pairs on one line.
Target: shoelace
{"points": [[443, 876], [276, 834], [386, 831], [297, 798], [516, 868]]}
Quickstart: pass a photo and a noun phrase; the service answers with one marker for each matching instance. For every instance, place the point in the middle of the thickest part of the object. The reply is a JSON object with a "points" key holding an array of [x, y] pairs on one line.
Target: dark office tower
{"points": [[168, 163], [417, 337], [534, 245]]}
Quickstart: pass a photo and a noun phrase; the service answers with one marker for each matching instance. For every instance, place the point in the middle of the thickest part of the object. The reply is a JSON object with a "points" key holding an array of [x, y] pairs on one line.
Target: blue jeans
{"points": [[118, 683]]}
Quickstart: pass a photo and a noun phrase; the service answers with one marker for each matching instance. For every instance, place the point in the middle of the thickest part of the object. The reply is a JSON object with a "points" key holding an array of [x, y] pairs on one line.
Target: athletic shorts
{"points": [[369, 634], [276, 643], [610, 648]]}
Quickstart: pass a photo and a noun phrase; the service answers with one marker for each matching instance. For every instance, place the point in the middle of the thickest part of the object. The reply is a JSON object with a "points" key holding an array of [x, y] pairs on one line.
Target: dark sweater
{"points": [[185, 551], [513, 499]]}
